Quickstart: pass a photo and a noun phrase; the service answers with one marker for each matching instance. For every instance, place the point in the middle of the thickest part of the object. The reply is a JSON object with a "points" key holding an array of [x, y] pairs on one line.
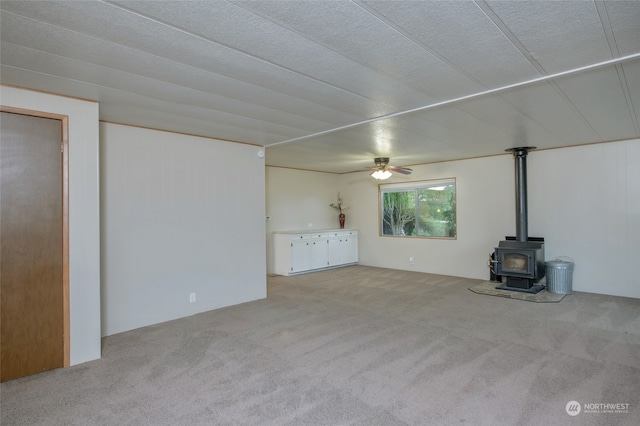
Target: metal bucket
{"points": [[559, 274]]}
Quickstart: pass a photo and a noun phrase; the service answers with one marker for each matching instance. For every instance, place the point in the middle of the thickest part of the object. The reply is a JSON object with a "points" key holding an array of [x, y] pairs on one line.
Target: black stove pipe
{"points": [[522, 218]]}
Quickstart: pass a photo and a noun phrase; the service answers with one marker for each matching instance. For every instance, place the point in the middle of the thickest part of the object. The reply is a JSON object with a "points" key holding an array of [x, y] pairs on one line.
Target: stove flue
{"points": [[522, 212], [520, 260]]}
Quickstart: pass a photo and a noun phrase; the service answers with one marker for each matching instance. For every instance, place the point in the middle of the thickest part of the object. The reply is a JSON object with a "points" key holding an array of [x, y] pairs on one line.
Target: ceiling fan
{"points": [[383, 170]]}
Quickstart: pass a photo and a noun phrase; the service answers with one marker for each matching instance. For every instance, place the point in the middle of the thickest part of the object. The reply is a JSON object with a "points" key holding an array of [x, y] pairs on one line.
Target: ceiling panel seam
{"points": [[364, 64], [247, 54], [394, 26], [549, 78], [627, 95], [185, 106], [509, 35], [574, 108], [552, 84], [607, 28], [111, 87], [164, 58]]}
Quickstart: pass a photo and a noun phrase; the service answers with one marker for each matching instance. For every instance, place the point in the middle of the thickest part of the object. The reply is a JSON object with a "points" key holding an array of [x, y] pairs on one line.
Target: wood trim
{"points": [[65, 243], [65, 220], [33, 113], [310, 170]]}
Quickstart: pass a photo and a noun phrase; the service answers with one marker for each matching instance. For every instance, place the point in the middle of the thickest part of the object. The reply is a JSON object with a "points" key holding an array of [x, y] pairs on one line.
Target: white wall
{"points": [[586, 203], [485, 203], [583, 200], [84, 219], [299, 200], [181, 214]]}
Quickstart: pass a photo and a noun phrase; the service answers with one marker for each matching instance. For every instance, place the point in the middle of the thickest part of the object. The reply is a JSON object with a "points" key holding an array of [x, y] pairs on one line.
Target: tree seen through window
{"points": [[424, 209]]}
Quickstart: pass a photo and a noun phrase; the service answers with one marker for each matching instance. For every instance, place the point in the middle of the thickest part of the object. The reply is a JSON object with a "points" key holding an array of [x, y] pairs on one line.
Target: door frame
{"points": [[65, 220]]}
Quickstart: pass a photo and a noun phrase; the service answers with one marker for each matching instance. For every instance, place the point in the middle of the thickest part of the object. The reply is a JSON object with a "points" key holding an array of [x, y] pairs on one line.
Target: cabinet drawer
{"points": [[337, 234], [298, 237]]}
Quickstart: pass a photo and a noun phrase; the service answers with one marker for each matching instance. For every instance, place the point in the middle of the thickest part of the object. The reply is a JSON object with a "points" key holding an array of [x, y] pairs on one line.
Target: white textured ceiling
{"points": [[329, 85]]}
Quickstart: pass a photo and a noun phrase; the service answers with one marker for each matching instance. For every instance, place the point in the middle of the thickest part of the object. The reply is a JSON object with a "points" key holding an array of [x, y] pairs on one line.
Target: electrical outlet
{"points": [[192, 298], [411, 260]]}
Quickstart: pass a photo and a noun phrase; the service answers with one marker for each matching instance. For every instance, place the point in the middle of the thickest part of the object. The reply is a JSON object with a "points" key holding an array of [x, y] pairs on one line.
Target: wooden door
{"points": [[31, 239]]}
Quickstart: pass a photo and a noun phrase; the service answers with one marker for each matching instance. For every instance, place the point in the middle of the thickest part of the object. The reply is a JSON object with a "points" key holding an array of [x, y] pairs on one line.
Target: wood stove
{"points": [[519, 260], [520, 264]]}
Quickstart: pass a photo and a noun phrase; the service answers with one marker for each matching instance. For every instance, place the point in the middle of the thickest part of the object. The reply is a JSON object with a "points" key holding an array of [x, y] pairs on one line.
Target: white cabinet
{"points": [[300, 256], [298, 252], [343, 247], [308, 252]]}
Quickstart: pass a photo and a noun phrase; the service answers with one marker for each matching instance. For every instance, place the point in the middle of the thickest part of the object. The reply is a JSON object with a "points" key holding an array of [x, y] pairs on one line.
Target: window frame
{"points": [[416, 185]]}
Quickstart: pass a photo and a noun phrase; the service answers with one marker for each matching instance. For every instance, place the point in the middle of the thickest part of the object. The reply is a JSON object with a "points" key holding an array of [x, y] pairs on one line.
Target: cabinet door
{"points": [[335, 247], [350, 249], [300, 256], [319, 254]]}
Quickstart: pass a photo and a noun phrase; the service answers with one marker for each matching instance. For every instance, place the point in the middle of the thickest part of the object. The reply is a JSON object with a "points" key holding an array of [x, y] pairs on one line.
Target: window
{"points": [[419, 209]]}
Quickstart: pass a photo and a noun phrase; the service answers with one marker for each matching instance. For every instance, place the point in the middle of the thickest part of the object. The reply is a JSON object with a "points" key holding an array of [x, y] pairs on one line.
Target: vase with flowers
{"points": [[341, 209]]}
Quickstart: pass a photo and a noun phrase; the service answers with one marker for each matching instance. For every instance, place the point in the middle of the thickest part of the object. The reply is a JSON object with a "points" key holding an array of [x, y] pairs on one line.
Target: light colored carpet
{"points": [[355, 346], [489, 288]]}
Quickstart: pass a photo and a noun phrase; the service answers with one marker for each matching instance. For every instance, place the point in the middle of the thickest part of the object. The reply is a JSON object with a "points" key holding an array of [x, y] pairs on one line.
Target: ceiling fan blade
{"points": [[403, 170]]}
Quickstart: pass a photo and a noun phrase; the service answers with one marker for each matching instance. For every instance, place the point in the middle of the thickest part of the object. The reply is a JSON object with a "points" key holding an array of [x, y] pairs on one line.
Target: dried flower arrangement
{"points": [[340, 205]]}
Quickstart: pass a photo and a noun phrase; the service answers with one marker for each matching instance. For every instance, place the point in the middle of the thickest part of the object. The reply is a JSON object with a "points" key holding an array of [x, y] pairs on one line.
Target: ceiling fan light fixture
{"points": [[381, 174]]}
